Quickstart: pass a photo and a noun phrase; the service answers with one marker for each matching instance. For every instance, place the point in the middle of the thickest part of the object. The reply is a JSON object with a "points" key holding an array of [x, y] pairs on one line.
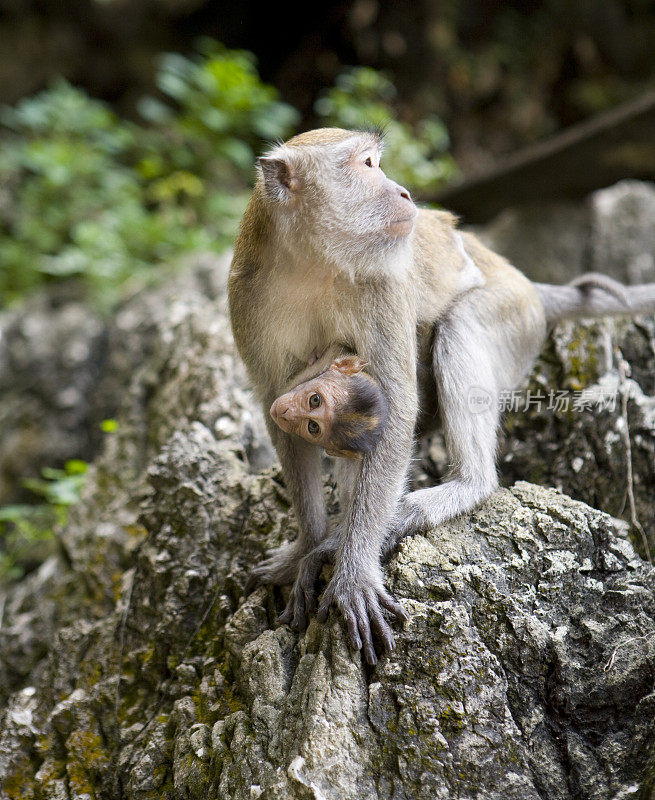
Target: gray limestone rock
{"points": [[613, 232], [623, 239], [584, 423], [132, 666]]}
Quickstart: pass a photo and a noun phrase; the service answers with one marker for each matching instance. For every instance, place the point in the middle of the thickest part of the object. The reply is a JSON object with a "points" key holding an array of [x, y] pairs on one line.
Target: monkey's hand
{"points": [[279, 567], [361, 599], [302, 599]]}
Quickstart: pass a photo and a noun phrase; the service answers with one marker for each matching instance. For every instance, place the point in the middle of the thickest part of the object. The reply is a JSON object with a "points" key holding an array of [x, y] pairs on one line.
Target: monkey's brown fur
{"points": [[331, 253], [320, 260]]}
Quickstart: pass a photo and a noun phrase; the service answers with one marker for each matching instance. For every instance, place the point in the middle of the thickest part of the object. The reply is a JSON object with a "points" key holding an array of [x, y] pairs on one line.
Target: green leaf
{"points": [[75, 466], [109, 425]]}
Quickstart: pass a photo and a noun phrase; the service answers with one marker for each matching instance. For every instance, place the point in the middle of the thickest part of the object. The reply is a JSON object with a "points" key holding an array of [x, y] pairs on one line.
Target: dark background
{"points": [[501, 75]]}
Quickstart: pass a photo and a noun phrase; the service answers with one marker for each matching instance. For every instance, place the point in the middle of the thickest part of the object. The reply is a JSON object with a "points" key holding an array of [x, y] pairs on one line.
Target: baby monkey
{"points": [[342, 409]]}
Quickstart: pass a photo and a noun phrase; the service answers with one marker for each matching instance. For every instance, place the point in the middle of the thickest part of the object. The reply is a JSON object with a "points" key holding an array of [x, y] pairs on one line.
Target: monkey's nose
{"points": [[279, 410]]}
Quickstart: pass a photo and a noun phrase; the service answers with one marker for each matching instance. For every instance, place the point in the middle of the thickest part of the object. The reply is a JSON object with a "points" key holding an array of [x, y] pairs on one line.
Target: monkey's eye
{"points": [[313, 427], [368, 162], [315, 400]]}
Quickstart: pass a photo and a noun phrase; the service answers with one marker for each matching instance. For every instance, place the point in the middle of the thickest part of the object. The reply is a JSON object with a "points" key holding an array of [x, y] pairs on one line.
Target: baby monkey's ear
{"points": [[349, 365]]}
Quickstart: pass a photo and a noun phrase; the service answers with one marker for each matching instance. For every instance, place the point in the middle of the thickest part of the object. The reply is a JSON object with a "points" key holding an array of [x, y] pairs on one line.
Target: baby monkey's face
{"points": [[327, 410]]}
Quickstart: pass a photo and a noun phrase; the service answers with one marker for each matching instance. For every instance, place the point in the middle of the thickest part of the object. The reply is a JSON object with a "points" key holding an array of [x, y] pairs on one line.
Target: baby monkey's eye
{"points": [[315, 400], [368, 162], [313, 427]]}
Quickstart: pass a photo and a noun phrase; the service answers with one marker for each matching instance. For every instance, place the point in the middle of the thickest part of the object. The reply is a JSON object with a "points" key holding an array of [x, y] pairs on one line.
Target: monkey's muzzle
{"points": [[284, 413]]}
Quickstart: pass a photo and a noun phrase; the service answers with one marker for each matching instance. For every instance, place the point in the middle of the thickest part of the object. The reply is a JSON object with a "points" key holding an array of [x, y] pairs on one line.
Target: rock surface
{"points": [[131, 665], [599, 380], [50, 362], [612, 232]]}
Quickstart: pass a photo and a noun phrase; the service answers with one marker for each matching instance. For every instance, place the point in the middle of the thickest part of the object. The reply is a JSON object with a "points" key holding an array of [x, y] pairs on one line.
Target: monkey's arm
{"points": [[357, 588], [484, 346], [301, 467]]}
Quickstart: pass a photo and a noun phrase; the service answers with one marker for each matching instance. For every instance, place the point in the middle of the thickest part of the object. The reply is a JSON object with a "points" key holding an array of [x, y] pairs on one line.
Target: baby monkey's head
{"points": [[342, 410]]}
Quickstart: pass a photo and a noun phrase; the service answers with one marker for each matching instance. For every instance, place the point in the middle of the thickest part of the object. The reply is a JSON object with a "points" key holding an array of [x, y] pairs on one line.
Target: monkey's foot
{"points": [[409, 518], [361, 600], [426, 508], [278, 568], [302, 600]]}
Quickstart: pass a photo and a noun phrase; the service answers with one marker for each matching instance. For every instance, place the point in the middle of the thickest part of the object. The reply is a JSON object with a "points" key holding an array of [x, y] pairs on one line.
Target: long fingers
{"points": [[352, 628], [252, 582], [365, 621], [302, 600], [364, 625], [324, 608], [380, 626], [391, 604]]}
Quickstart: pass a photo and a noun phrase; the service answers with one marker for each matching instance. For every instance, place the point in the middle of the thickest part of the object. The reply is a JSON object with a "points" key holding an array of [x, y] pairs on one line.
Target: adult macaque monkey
{"points": [[332, 253]]}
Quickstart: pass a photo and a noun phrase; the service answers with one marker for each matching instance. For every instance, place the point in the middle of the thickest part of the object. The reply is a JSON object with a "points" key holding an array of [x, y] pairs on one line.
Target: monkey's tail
{"points": [[594, 295]]}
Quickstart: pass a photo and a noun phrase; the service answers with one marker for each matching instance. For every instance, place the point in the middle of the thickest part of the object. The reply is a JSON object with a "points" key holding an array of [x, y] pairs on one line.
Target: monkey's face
{"points": [[376, 206], [309, 410], [343, 409], [328, 192]]}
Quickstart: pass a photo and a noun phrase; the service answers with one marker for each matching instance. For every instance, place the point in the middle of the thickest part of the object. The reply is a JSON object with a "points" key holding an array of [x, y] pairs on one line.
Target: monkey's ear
{"points": [[349, 365], [280, 181]]}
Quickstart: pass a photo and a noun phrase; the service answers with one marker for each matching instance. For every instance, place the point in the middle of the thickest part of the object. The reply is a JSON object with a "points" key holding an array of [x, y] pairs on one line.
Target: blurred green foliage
{"points": [[84, 194], [221, 112], [74, 205], [414, 155], [109, 425], [113, 204], [27, 531]]}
